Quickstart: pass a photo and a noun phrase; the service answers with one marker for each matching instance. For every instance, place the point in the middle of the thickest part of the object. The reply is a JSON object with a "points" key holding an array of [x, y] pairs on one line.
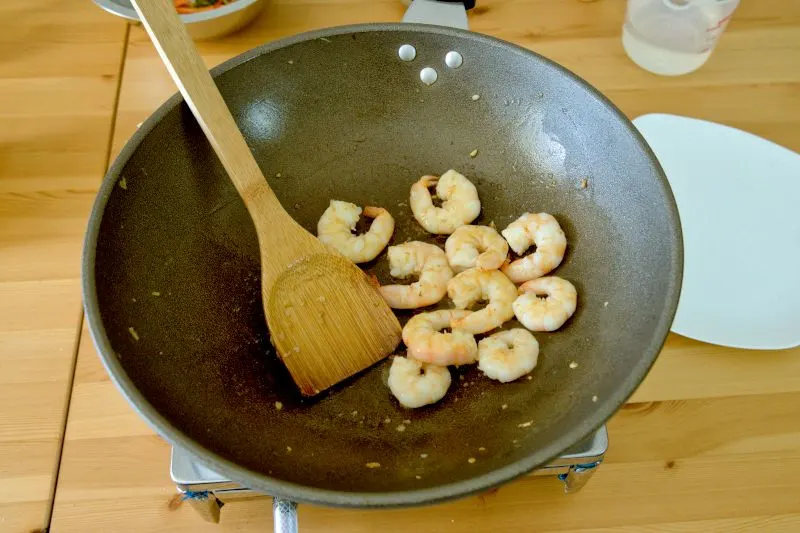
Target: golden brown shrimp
{"points": [[508, 355], [476, 285], [476, 246], [415, 383], [427, 260], [460, 202], [542, 230], [425, 341], [337, 223], [548, 313]]}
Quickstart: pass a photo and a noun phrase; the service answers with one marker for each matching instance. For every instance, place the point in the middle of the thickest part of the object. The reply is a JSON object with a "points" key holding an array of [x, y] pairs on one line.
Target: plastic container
{"points": [[673, 37]]}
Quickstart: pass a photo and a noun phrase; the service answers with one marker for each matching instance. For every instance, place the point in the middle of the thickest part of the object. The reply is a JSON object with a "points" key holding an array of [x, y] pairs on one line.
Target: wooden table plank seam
{"points": [[48, 513], [118, 90], [80, 322]]}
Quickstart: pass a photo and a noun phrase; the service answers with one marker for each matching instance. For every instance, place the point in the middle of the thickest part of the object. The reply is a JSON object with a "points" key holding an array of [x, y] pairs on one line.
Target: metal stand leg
{"points": [[578, 475], [206, 504]]}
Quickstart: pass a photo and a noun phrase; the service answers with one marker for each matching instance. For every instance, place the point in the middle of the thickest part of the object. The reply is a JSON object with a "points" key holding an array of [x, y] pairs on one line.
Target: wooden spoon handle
{"points": [[190, 74]]}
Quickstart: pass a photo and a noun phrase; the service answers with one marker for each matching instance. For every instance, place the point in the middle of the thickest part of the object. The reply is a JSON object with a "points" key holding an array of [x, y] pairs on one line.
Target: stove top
{"points": [[207, 491]]}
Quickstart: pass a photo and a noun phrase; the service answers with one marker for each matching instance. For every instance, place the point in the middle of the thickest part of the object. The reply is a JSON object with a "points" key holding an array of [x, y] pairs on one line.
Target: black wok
{"points": [[171, 274]]}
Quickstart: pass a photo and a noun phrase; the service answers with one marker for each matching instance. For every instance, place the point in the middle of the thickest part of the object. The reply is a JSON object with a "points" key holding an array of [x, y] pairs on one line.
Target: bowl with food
{"points": [[204, 19]]}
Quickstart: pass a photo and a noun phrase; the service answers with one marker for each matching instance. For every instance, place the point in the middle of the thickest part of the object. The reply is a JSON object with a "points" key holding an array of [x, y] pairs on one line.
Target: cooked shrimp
{"points": [[460, 202], [476, 246], [425, 341], [476, 285], [548, 313], [427, 260], [508, 355], [415, 383], [542, 230], [338, 222]]}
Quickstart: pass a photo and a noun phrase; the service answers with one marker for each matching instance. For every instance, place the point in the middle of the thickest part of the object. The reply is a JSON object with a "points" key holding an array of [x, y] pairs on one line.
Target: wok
{"points": [[171, 272]]}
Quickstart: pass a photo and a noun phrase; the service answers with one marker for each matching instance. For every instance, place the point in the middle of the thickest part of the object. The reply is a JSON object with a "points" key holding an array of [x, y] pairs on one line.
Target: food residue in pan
{"points": [[373, 465], [133, 333], [476, 265]]}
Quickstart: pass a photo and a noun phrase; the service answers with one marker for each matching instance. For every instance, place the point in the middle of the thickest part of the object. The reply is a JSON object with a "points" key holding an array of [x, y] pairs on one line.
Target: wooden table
{"points": [[59, 66], [710, 441]]}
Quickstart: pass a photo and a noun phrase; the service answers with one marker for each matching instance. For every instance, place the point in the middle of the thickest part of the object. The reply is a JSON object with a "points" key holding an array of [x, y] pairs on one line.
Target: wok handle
{"points": [[468, 4], [451, 13], [284, 516]]}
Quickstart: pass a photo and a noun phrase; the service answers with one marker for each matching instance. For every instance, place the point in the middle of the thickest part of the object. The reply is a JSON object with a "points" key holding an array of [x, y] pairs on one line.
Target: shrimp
{"points": [[337, 223], [415, 383], [508, 355], [549, 313], [542, 230], [427, 260], [476, 246], [425, 341], [474, 285], [460, 202]]}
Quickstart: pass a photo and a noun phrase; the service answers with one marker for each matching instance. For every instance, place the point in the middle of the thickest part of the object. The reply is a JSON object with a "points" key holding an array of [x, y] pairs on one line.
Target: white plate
{"points": [[738, 196]]}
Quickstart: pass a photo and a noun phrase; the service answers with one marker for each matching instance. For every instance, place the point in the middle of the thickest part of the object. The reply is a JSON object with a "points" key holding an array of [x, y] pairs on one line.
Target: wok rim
{"points": [[606, 407]]}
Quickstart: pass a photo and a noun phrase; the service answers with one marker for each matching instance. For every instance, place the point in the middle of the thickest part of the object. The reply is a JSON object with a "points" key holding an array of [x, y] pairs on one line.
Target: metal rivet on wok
{"points": [[453, 59], [428, 75], [407, 52]]}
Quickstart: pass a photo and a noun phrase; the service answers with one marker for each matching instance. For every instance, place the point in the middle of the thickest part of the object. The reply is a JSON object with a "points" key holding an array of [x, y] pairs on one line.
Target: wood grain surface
{"points": [[709, 442], [59, 64]]}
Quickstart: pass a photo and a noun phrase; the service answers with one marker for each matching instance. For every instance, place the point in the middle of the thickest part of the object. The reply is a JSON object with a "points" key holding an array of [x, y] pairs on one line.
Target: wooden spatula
{"points": [[327, 321]]}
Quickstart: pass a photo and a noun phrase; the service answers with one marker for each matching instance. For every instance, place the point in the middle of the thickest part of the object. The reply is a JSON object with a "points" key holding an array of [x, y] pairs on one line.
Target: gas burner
{"points": [[208, 491]]}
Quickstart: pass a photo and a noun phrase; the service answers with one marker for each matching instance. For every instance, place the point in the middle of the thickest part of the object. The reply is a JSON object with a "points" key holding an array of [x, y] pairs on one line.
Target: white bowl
{"points": [[203, 25]]}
